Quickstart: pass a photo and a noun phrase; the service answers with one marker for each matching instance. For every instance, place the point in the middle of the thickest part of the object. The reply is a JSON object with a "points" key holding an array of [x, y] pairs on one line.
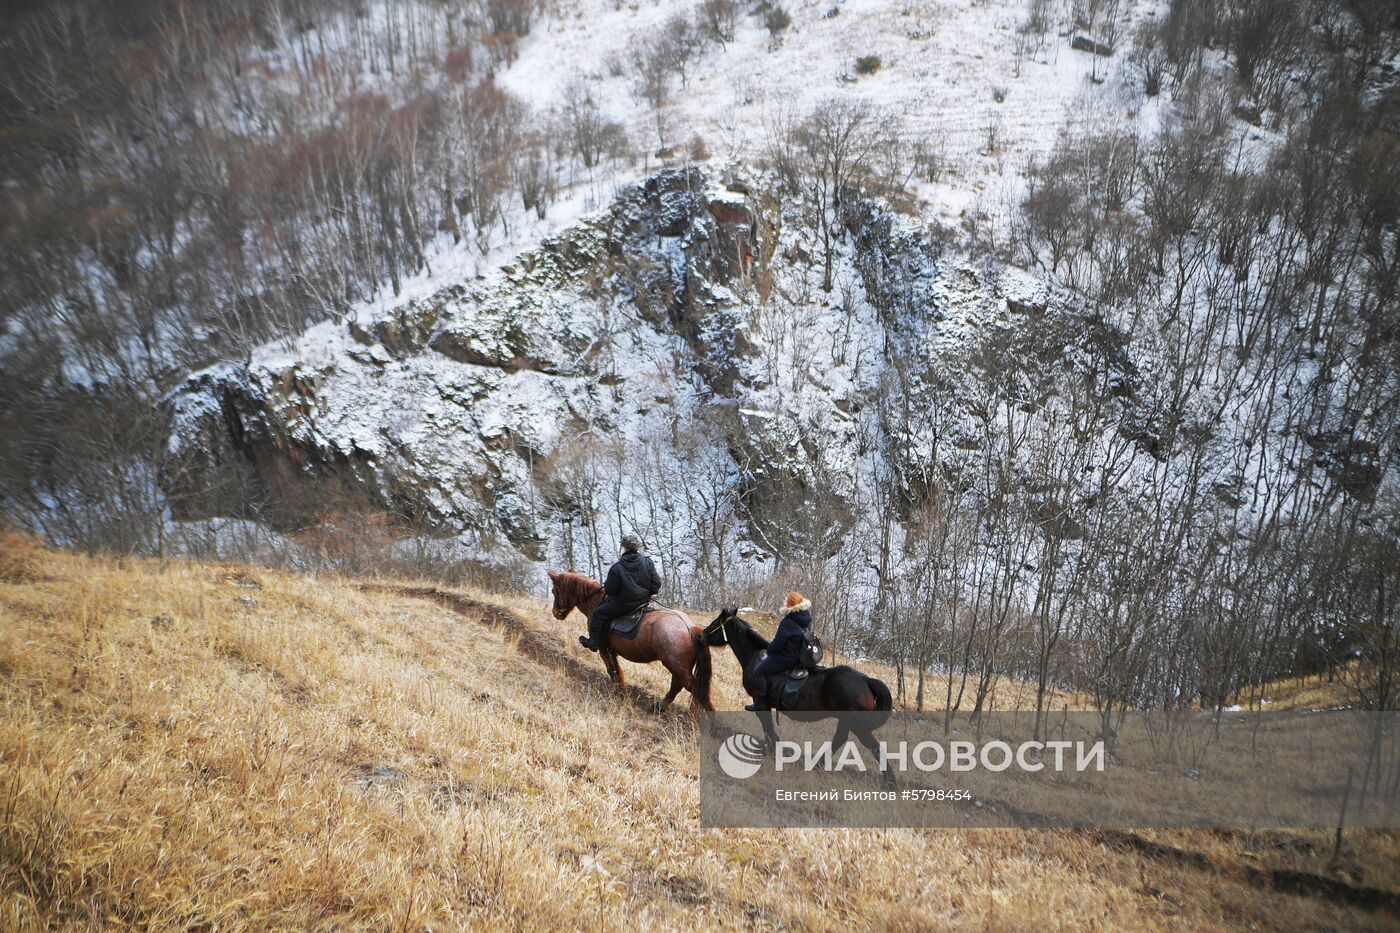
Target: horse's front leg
{"points": [[614, 669], [770, 732]]}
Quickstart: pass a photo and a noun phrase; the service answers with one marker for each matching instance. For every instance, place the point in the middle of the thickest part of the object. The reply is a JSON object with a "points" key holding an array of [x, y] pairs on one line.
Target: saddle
{"points": [[782, 688], [626, 627]]}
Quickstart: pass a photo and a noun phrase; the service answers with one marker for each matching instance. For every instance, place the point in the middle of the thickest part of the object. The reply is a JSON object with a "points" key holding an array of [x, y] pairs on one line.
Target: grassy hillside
{"points": [[206, 745]]}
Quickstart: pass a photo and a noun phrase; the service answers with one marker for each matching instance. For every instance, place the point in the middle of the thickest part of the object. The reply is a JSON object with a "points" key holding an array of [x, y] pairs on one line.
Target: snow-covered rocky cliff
{"points": [[670, 364]]}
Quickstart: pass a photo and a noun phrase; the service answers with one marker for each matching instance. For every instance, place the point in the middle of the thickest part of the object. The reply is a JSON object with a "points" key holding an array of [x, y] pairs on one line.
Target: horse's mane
{"points": [[576, 586], [753, 633]]}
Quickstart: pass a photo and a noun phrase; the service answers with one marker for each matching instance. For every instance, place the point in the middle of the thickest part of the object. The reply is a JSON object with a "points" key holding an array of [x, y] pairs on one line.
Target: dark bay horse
{"points": [[829, 691], [666, 635]]}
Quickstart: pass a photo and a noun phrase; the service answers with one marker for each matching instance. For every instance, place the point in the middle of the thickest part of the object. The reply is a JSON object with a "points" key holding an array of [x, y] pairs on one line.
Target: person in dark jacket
{"points": [[630, 585], [783, 649]]}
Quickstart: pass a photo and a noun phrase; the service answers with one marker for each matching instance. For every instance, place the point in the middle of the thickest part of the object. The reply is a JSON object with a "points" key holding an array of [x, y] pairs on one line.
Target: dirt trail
{"points": [[538, 646], [1285, 880]]}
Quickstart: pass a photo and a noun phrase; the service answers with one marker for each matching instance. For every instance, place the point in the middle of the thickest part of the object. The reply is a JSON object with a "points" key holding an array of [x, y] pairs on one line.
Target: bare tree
{"points": [[590, 136], [650, 64], [824, 157], [717, 20]]}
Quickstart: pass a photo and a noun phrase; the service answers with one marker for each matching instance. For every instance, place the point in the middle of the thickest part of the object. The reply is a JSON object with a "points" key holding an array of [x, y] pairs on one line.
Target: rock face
{"points": [[441, 408], [1086, 43], [630, 337]]}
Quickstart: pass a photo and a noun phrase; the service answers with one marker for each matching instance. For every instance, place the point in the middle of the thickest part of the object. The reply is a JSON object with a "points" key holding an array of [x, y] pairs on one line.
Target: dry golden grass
{"points": [[1318, 692], [213, 746], [17, 562]]}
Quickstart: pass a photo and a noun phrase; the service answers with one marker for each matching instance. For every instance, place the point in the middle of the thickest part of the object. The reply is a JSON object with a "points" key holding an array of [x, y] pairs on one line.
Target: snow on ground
{"points": [[941, 62]]}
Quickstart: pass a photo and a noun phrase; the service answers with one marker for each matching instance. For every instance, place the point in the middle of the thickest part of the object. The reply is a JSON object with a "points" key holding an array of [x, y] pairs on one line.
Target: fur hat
{"points": [[631, 543], [795, 602]]}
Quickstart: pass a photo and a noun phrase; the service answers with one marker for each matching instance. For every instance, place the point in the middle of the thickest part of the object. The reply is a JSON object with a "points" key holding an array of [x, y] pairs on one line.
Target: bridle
{"points": [[554, 604], [721, 625], [567, 591]]}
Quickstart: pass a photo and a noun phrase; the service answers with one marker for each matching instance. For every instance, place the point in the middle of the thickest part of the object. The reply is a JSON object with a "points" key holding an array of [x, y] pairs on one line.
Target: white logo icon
{"points": [[740, 756]]}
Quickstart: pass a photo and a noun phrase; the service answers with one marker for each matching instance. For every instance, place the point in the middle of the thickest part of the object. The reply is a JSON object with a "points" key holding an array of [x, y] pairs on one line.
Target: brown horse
{"points": [[666, 635]]}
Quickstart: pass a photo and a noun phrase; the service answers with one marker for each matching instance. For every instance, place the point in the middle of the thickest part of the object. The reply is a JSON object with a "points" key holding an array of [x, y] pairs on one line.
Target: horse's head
{"points": [[564, 596], [716, 633]]}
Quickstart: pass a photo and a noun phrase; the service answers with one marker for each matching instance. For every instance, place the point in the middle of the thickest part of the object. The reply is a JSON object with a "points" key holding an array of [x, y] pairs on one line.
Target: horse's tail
{"points": [[883, 701], [703, 670]]}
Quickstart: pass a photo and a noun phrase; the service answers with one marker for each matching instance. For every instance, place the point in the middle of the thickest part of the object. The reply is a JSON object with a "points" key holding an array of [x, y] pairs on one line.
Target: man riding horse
{"points": [[631, 583]]}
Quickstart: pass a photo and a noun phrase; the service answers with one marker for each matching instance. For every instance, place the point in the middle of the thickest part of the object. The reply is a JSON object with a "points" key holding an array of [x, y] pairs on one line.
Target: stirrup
{"points": [[756, 707], [587, 643]]}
